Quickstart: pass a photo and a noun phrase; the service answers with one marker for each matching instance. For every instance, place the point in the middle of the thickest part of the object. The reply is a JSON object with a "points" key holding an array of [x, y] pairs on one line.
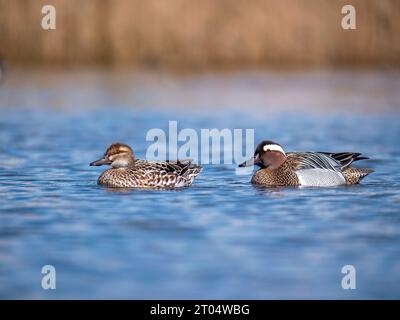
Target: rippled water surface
{"points": [[220, 238]]}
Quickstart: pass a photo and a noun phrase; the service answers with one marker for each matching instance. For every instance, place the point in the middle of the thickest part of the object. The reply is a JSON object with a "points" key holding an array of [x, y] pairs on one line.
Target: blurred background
{"points": [[113, 70], [197, 35]]}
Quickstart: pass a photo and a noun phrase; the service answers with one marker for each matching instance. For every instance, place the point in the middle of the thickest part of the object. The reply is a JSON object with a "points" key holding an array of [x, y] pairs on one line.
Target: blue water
{"points": [[221, 238]]}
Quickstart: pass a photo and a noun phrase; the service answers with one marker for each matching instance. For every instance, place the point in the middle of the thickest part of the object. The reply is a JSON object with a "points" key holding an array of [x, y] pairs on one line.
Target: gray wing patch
{"points": [[345, 158], [315, 160]]}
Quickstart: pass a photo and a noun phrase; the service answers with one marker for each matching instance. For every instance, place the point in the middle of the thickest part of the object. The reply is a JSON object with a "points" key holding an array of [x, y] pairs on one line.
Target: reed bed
{"points": [[201, 34]]}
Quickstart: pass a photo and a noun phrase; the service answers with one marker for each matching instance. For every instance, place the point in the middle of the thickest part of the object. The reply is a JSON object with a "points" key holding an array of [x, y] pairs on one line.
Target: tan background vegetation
{"points": [[201, 34]]}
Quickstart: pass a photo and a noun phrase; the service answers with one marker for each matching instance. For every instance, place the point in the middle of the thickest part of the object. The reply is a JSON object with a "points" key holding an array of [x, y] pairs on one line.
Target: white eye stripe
{"points": [[124, 149], [118, 154], [273, 147]]}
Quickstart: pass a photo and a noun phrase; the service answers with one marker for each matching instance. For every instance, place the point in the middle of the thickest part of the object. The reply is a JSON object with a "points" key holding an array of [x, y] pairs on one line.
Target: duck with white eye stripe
{"points": [[314, 169]]}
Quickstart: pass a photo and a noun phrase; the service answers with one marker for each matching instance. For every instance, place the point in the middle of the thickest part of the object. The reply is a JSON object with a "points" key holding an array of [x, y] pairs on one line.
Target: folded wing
{"points": [[324, 160]]}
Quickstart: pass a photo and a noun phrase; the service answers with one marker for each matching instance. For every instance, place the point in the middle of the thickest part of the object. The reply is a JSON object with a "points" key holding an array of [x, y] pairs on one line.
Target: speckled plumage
{"points": [[355, 175], [287, 174], [282, 176], [145, 174], [305, 168], [128, 172]]}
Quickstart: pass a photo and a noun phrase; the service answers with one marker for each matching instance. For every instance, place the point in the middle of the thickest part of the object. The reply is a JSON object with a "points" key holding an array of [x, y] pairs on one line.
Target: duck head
{"points": [[268, 154], [118, 155]]}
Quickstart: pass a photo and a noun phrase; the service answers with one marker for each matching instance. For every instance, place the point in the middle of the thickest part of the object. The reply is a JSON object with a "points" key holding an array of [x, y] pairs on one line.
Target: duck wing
{"points": [[316, 169], [166, 173], [313, 160], [179, 167], [345, 158], [324, 160]]}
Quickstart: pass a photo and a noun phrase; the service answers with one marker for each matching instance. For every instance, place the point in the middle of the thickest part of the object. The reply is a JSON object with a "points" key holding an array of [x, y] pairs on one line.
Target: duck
{"points": [[313, 169], [128, 172]]}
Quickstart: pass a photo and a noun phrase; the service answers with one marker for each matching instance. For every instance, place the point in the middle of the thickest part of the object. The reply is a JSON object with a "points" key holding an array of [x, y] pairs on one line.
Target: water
{"points": [[220, 238]]}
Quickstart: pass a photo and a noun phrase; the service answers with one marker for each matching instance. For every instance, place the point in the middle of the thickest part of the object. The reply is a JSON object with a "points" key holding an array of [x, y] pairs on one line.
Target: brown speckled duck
{"points": [[317, 169], [129, 172]]}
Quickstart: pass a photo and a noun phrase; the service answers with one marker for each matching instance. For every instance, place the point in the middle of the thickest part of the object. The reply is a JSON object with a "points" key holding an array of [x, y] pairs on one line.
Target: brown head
{"points": [[118, 155], [268, 155]]}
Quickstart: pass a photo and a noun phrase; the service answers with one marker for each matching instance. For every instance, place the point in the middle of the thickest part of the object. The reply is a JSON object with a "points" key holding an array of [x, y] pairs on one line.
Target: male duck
{"points": [[317, 169], [129, 172]]}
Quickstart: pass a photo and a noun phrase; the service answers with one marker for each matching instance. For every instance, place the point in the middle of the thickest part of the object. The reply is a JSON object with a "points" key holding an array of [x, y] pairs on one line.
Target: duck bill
{"points": [[100, 162], [251, 162]]}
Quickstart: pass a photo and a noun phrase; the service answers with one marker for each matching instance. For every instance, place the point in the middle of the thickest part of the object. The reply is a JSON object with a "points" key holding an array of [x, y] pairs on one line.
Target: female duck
{"points": [[304, 168], [129, 172]]}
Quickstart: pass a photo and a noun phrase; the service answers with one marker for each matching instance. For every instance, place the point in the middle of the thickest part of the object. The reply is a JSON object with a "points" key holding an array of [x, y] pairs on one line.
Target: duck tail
{"points": [[355, 175], [190, 172]]}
